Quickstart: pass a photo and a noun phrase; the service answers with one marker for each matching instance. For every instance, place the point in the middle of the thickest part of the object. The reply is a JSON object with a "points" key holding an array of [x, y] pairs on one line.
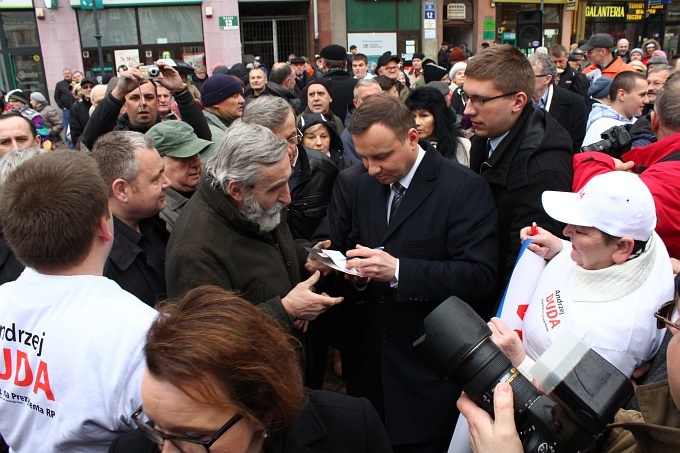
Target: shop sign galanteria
{"points": [[610, 11]]}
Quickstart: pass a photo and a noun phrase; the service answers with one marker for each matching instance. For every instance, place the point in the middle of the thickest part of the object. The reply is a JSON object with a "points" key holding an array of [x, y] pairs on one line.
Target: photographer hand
{"points": [[169, 78], [488, 435], [127, 81]]}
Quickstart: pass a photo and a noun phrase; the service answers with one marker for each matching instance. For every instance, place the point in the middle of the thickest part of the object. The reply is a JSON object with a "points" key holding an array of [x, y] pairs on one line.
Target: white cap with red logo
{"points": [[617, 203]]}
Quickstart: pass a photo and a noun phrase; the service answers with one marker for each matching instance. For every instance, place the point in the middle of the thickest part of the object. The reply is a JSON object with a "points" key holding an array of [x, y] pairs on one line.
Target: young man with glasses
{"points": [[521, 151]]}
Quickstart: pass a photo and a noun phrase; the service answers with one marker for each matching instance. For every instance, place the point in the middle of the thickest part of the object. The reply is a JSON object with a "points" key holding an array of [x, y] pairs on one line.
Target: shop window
{"points": [[118, 27], [20, 29], [172, 24]]}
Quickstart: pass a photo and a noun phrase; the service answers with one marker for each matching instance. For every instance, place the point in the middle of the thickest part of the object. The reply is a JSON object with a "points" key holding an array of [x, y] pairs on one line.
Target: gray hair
{"points": [[364, 83], [661, 67], [14, 159], [245, 149], [546, 63], [268, 111], [667, 104], [115, 155]]}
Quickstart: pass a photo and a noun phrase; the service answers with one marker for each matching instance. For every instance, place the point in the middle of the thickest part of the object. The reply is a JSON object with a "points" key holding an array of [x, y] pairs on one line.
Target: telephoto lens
{"points": [[458, 346]]}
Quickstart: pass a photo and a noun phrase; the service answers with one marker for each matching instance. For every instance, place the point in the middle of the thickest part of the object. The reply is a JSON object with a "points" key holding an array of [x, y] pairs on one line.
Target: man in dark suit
{"points": [[521, 151], [567, 108], [425, 228]]}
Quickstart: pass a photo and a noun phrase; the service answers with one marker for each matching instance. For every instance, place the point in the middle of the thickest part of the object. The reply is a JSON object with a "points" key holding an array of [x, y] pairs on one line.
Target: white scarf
{"points": [[616, 281]]}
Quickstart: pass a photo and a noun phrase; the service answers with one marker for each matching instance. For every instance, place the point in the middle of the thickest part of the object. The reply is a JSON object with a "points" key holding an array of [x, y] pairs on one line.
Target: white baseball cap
{"points": [[617, 203]]}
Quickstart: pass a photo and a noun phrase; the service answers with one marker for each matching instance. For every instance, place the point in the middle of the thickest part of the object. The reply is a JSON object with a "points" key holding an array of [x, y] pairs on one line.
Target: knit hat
{"points": [[176, 139], [36, 96], [637, 50], [419, 55], [325, 82], [460, 66], [457, 55], [219, 87], [617, 203], [659, 53], [600, 88], [432, 72], [334, 52], [18, 95]]}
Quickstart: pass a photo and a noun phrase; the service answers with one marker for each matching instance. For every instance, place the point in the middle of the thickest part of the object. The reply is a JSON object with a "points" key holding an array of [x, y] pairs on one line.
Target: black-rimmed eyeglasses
{"points": [[480, 101], [663, 316], [184, 444]]}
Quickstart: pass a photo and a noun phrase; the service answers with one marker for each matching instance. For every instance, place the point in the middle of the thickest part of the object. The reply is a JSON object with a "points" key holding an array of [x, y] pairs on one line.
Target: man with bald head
{"points": [[622, 50]]}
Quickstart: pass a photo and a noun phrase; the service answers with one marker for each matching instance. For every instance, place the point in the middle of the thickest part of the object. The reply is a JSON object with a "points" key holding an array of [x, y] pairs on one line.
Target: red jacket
{"points": [[662, 179]]}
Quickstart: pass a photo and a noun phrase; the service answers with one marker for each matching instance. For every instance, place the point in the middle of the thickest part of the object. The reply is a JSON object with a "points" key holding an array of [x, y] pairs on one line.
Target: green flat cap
{"points": [[176, 139]]}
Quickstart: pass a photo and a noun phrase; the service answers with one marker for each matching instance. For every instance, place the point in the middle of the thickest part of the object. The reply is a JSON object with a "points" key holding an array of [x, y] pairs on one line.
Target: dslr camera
{"points": [[582, 390], [616, 142], [150, 71]]}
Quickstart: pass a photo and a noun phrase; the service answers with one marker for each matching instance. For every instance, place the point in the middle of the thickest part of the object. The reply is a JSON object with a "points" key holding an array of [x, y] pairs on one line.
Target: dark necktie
{"points": [[399, 192]]}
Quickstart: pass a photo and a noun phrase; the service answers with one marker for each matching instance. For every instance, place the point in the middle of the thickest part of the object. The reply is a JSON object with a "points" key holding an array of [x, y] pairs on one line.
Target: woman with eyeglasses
{"points": [[222, 377], [435, 123], [605, 284]]}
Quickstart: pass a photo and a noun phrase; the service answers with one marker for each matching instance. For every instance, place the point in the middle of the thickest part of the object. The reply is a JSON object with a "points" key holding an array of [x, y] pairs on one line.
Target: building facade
{"points": [[38, 38]]}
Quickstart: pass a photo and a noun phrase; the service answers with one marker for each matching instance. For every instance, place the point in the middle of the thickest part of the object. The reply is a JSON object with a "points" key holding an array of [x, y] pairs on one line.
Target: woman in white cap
{"points": [[605, 284]]}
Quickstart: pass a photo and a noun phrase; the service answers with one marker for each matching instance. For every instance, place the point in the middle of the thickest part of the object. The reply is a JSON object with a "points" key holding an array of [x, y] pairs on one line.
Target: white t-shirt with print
{"points": [[71, 363]]}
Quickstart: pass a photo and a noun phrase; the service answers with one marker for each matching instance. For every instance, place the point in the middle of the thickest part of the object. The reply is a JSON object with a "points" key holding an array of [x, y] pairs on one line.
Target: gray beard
{"points": [[266, 220]]}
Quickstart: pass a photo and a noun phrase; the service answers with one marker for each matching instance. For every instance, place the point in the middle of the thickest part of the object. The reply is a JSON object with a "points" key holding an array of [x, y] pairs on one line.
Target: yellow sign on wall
{"points": [[605, 11]]}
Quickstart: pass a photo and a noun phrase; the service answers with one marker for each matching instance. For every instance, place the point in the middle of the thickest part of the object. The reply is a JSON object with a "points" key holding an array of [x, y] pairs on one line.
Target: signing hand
{"points": [[302, 303], [486, 434], [373, 263], [544, 244]]}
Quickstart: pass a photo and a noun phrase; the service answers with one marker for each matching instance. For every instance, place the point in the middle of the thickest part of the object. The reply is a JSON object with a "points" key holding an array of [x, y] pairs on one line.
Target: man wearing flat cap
{"points": [[602, 62], [388, 65], [222, 96], [179, 148], [334, 64]]}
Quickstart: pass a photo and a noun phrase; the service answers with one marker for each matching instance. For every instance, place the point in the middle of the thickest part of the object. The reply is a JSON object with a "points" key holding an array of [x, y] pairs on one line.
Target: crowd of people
{"points": [[159, 286]]}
